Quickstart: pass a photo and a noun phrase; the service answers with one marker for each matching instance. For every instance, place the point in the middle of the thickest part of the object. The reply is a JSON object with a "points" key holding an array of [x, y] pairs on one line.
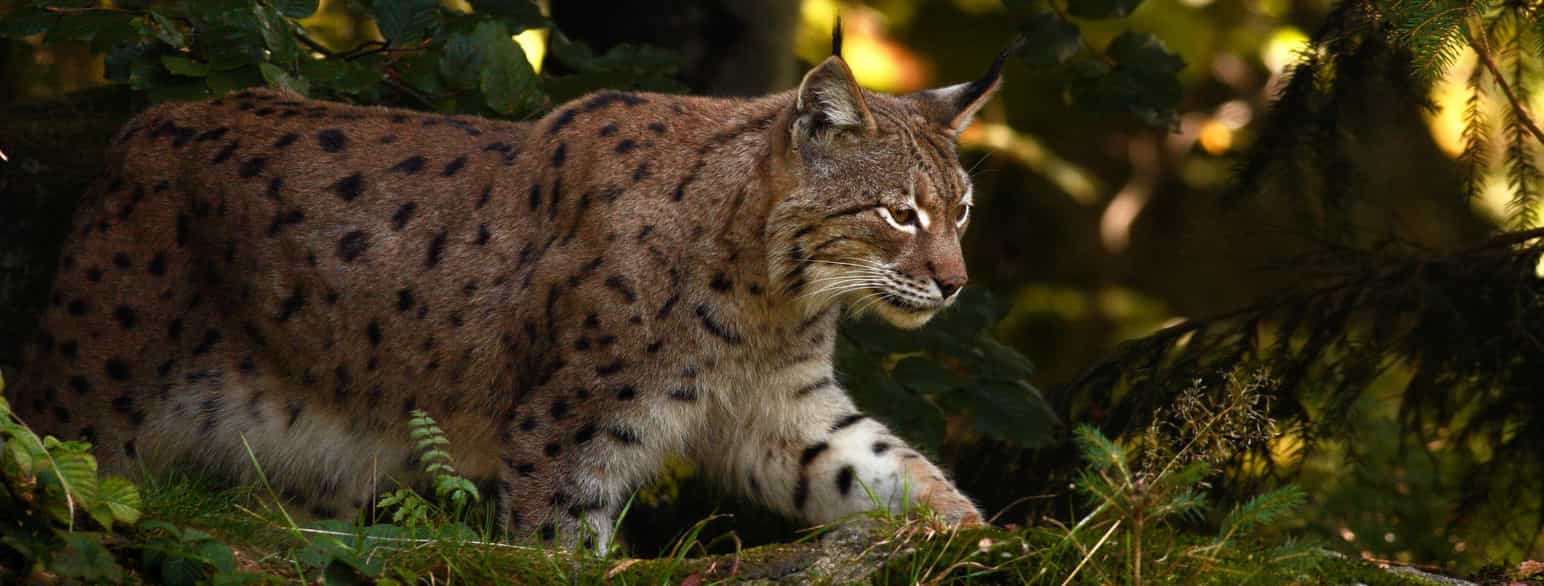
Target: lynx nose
{"points": [[948, 286]]}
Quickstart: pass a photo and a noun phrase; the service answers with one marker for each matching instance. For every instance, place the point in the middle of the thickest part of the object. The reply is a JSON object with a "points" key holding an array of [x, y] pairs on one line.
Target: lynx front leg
{"points": [[818, 459]]}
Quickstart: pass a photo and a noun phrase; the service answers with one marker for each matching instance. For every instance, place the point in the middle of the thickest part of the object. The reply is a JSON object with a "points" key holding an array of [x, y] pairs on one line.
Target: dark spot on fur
{"points": [[77, 307], [125, 316], [559, 155], [352, 244], [565, 118], [846, 422], [687, 394], [252, 167], [403, 214], [80, 385], [404, 300], [286, 140], [585, 434], [627, 393], [332, 140], [812, 452], [559, 409], [211, 338], [436, 249], [844, 479], [625, 435], [482, 235], [552, 449], [117, 369], [454, 166], [410, 165], [721, 282], [373, 331], [349, 188], [626, 146]]}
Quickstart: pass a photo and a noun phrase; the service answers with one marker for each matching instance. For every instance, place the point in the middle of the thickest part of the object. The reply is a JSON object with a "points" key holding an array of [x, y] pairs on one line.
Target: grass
{"points": [[1145, 523]]}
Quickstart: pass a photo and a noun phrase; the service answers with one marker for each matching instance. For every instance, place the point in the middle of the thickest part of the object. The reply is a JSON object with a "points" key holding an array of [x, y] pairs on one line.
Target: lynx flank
{"points": [[574, 298]]}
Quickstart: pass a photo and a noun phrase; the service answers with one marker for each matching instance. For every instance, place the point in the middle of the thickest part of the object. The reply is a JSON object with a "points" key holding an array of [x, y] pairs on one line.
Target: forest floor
{"points": [[194, 531]]}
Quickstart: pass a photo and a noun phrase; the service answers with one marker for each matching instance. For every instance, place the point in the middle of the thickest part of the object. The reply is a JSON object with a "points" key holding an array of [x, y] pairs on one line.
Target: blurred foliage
{"points": [[1360, 255], [1135, 74], [426, 55], [48, 490]]}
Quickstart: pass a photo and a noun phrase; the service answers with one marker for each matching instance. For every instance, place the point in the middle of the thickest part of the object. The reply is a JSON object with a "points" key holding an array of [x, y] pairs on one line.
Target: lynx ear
{"points": [[952, 107], [830, 101]]}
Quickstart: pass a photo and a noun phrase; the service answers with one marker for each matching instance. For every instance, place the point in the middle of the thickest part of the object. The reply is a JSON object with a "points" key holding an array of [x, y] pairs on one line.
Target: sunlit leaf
{"points": [[121, 499], [506, 80]]}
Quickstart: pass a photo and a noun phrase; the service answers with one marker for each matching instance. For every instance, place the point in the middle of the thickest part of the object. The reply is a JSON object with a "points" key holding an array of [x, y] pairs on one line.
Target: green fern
{"points": [[411, 510]]}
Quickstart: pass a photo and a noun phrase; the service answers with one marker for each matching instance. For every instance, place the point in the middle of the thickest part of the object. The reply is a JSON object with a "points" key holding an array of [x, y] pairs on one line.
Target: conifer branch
{"points": [[1523, 115]]}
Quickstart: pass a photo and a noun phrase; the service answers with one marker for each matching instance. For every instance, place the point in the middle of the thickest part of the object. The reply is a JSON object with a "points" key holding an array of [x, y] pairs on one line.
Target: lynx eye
{"points": [[963, 216], [903, 216]]}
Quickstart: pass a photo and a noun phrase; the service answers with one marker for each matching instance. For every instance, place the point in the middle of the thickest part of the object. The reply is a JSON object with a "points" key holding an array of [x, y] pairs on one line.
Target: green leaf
{"points": [[926, 376], [296, 8], [102, 29], [1144, 81], [1102, 8], [279, 78], [84, 559], [507, 81], [184, 66], [405, 22], [1012, 411], [162, 28], [121, 499], [518, 15], [278, 36], [229, 33], [1049, 40], [73, 474], [224, 82], [419, 72], [26, 21]]}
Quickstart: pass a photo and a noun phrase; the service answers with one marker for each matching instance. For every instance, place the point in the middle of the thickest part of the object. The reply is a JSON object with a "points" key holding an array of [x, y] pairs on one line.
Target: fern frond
{"points": [[1476, 135], [1101, 452], [1264, 509], [1522, 170]]}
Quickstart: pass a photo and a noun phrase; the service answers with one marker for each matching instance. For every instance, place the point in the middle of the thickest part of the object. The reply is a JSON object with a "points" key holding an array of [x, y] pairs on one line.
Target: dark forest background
{"points": [[1343, 195]]}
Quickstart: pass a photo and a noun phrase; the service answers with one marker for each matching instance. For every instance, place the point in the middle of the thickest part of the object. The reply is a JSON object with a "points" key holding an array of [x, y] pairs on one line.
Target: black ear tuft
{"points": [[836, 37], [953, 106], [976, 89]]}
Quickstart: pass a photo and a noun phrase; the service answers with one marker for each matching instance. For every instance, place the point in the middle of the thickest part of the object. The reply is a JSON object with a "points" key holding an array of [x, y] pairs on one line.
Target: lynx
{"points": [[265, 277]]}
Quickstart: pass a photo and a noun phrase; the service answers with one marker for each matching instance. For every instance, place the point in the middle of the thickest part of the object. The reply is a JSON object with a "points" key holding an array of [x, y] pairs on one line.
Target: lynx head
{"points": [[876, 199]]}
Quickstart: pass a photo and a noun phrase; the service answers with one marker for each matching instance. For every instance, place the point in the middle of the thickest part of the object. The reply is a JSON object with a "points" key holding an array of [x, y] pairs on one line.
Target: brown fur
{"points": [[575, 298]]}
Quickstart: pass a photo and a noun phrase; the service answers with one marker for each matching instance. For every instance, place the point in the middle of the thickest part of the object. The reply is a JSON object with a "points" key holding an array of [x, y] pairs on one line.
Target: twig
{"points": [[1523, 115], [1091, 553], [313, 45], [84, 10]]}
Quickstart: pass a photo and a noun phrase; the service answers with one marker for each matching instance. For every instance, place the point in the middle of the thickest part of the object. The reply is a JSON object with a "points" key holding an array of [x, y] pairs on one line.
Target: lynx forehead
{"points": [[574, 298]]}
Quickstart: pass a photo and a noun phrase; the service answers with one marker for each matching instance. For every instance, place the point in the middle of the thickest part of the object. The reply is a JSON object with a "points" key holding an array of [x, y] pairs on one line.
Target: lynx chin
{"points": [[573, 298]]}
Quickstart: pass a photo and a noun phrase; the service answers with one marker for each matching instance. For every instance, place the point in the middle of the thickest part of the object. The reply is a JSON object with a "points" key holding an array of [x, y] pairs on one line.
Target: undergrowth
{"points": [[1146, 521]]}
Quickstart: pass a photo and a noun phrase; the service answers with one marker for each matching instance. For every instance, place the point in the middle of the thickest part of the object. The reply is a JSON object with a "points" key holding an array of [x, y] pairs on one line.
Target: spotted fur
{"points": [[574, 298]]}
